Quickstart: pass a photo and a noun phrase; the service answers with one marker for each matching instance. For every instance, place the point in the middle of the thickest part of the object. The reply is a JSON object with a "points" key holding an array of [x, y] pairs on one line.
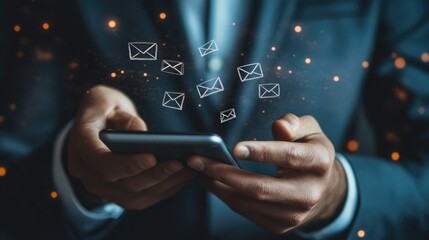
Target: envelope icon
{"points": [[210, 87], [269, 90], [172, 67], [250, 72], [143, 50], [208, 48], [173, 100], [227, 115]]}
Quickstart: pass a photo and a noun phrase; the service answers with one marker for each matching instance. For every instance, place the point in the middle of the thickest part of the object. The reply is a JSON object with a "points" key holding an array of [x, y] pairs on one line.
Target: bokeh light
{"points": [[395, 156], [3, 171], [54, 195], [352, 145], [298, 29], [45, 26], [336, 78], [365, 64], [308, 60], [111, 24], [17, 28], [162, 15], [361, 233], [400, 63]]}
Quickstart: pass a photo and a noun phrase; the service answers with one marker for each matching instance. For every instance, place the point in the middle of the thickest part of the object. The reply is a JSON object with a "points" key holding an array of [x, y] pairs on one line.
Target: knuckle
{"points": [[292, 120], [311, 200], [261, 191], [324, 160], [297, 219]]}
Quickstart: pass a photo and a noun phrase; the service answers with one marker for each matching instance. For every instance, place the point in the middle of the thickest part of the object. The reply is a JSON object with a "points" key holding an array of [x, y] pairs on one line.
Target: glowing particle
{"points": [[421, 110], [308, 60], [279, 68], [395, 156], [17, 28], [111, 24], [263, 111], [336, 78], [199, 105], [365, 64], [45, 26], [400, 93], [233, 24], [113, 74], [54, 195], [122, 71], [298, 28], [361, 233], [273, 48], [290, 71], [352, 145], [144, 74], [162, 15], [3, 171], [400, 63], [12, 106], [425, 57]]}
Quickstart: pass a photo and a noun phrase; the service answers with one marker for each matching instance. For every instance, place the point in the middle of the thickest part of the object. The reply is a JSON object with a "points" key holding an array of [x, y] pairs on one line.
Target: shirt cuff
{"points": [[82, 220], [346, 216]]}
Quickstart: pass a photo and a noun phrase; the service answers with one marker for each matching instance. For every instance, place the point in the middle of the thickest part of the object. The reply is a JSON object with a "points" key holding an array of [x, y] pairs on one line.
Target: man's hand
{"points": [[133, 181], [308, 190]]}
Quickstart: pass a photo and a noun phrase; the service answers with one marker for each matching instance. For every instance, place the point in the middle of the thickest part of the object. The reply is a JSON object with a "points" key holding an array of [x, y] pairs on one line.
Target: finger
{"points": [[291, 127], [121, 120], [151, 177], [311, 156], [129, 200], [177, 179], [253, 185]]}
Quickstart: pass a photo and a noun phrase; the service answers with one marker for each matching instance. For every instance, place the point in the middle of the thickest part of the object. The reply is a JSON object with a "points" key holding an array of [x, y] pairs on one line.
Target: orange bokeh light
{"points": [[54, 195], [425, 57], [400, 63], [352, 145], [298, 28], [395, 156], [111, 23], [17, 28], [361, 233], [113, 75], [162, 15], [45, 26], [365, 64], [3, 171]]}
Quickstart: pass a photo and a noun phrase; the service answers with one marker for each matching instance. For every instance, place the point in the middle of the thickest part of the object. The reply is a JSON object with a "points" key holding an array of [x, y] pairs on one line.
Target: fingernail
{"points": [[172, 167], [242, 151], [196, 164]]}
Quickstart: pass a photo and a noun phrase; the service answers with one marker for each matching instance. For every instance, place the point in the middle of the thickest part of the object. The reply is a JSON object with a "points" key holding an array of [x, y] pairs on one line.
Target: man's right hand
{"points": [[134, 181]]}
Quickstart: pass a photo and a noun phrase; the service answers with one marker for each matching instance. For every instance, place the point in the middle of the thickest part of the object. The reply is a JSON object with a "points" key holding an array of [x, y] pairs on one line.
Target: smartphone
{"points": [[168, 146]]}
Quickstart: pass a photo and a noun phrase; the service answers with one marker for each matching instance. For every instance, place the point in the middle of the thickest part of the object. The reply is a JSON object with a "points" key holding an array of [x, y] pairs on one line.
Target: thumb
{"points": [[122, 120], [291, 127]]}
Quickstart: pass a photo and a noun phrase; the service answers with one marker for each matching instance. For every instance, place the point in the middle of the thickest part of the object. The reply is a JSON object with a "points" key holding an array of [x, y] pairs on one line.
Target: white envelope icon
{"points": [[143, 50], [173, 100], [172, 67], [210, 87], [269, 90], [250, 71], [208, 48], [227, 115]]}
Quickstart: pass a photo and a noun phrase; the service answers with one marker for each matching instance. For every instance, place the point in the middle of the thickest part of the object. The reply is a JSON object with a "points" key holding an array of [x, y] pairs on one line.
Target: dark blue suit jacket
{"points": [[44, 73]]}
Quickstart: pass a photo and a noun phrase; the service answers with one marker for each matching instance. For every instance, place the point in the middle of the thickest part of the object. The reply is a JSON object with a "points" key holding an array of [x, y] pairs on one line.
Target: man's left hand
{"points": [[308, 190]]}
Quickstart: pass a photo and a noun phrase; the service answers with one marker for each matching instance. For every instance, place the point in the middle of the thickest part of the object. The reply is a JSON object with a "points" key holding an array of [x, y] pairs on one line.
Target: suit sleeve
{"points": [[394, 186]]}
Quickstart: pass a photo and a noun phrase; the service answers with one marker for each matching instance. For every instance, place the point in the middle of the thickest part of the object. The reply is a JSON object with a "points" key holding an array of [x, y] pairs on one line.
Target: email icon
{"points": [[173, 100], [208, 48], [269, 90], [227, 115], [210, 87], [143, 50], [250, 72], [172, 67]]}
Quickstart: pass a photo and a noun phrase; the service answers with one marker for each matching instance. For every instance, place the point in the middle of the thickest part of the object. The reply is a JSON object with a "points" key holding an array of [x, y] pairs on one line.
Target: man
{"points": [[294, 179]]}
